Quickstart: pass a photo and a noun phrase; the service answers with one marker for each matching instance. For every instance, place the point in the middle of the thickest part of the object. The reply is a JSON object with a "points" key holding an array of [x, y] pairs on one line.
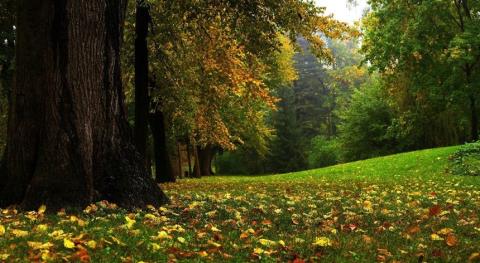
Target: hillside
{"points": [[401, 207]]}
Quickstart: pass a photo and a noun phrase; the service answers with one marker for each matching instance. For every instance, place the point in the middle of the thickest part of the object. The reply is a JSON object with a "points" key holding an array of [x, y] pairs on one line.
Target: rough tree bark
{"points": [[163, 167], [205, 157], [142, 19], [69, 142]]}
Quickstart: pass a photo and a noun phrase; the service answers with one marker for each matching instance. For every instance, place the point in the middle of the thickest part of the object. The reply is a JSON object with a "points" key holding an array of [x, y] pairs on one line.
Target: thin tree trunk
{"points": [[474, 118], [196, 168], [163, 167], [190, 173], [141, 78], [179, 160], [69, 142]]}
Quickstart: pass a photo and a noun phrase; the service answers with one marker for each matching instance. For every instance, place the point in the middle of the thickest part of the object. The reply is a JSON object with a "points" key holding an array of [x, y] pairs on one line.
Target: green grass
{"points": [[396, 208]]}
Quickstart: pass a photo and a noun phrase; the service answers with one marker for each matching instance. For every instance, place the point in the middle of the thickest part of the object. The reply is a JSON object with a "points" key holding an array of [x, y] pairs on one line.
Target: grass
{"points": [[400, 208]]}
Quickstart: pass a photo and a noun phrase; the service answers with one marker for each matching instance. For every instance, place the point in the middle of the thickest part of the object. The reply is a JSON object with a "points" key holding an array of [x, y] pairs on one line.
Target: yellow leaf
{"points": [[435, 237], [203, 253], [282, 243], [39, 245], [4, 256], [92, 244], [2, 230], [215, 244], [19, 233], [214, 229], [162, 235], [445, 231], [42, 228], [150, 216], [68, 243], [367, 206], [267, 243], [258, 251], [130, 222], [42, 209], [57, 234], [181, 239], [155, 246], [322, 242]]}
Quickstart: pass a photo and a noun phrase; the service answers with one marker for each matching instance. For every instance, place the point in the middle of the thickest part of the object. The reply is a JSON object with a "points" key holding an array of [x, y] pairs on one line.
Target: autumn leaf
{"points": [[322, 242], [267, 243], [435, 210], [435, 237], [39, 245], [130, 222], [2, 230], [92, 244], [413, 229], [42, 209], [19, 233], [451, 240], [68, 243]]}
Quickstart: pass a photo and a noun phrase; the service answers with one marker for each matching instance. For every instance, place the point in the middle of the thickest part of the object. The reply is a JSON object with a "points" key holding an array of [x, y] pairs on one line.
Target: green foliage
{"points": [[365, 123], [287, 151], [429, 57], [242, 161], [466, 160], [323, 152]]}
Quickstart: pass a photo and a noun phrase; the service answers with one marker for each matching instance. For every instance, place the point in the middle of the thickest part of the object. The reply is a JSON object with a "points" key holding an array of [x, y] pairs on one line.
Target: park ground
{"points": [[399, 208]]}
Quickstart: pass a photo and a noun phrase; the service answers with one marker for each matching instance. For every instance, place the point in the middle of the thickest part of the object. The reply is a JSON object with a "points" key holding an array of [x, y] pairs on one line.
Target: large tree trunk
{"points": [[141, 78], [163, 167], [69, 142], [205, 157]]}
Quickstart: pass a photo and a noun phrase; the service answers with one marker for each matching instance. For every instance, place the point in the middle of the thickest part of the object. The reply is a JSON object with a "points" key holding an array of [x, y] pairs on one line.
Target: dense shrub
{"points": [[323, 152], [365, 123], [466, 160]]}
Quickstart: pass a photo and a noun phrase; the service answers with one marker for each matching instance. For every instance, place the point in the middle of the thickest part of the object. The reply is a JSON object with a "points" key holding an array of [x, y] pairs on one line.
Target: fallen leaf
{"points": [[322, 242], [68, 243], [451, 240]]}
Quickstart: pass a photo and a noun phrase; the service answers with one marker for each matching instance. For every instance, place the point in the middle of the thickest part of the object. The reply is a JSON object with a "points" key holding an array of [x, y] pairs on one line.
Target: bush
{"points": [[365, 123], [323, 152], [466, 160]]}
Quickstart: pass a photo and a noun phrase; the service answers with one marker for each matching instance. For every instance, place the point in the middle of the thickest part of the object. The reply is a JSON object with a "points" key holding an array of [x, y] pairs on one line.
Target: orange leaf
{"points": [[413, 229], [451, 240]]}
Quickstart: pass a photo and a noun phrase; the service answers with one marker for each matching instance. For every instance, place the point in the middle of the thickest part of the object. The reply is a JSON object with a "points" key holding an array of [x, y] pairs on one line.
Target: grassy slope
{"points": [[402, 207]]}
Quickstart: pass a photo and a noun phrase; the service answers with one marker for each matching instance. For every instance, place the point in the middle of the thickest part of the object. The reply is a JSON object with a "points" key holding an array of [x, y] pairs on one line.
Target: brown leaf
{"points": [[451, 240], [413, 229], [435, 210], [367, 239]]}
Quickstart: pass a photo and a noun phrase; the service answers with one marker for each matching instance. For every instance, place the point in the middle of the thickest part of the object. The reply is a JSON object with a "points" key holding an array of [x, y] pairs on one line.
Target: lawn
{"points": [[400, 208]]}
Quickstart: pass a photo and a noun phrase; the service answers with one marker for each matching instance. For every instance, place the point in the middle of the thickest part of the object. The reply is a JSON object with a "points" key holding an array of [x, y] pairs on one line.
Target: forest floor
{"points": [[400, 208]]}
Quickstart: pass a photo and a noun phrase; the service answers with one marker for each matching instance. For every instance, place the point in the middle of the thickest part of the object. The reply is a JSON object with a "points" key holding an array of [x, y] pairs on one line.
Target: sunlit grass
{"points": [[402, 207]]}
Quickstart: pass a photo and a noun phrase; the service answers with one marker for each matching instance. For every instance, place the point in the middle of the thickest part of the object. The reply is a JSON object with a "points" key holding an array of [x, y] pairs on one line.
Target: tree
{"points": [[7, 54], [142, 21], [69, 141], [434, 46]]}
